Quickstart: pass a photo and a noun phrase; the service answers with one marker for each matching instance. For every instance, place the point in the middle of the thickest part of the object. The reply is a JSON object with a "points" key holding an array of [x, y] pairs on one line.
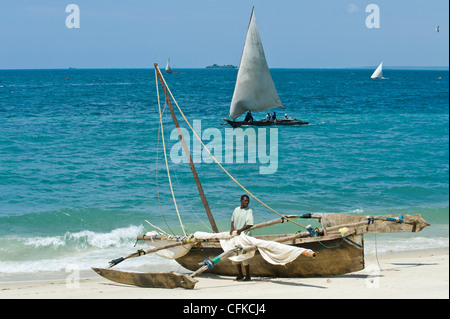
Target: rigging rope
{"points": [[376, 245], [217, 162], [157, 181], [162, 231], [165, 153], [193, 212]]}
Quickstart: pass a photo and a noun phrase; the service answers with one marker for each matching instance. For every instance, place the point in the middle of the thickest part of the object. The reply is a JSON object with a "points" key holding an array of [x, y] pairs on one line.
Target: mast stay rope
{"points": [[165, 154]]}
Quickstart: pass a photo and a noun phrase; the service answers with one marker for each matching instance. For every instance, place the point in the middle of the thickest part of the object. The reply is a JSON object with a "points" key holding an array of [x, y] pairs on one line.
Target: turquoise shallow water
{"points": [[78, 154]]}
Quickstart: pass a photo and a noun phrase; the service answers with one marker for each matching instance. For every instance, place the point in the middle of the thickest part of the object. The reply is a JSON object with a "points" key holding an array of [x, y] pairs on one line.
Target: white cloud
{"points": [[353, 8]]}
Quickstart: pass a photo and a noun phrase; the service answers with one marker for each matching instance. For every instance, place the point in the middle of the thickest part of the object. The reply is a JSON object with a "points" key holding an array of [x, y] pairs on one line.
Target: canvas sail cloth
{"points": [[273, 252], [254, 90], [170, 253], [378, 74]]}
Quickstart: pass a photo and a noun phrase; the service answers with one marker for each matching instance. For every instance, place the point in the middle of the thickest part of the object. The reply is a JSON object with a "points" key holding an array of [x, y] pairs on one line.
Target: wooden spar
{"points": [[141, 252], [274, 222], [411, 223], [215, 260], [186, 150], [380, 223], [257, 226]]}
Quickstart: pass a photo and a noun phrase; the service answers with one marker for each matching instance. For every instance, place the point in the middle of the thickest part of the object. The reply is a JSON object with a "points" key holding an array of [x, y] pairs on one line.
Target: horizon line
{"points": [[393, 67]]}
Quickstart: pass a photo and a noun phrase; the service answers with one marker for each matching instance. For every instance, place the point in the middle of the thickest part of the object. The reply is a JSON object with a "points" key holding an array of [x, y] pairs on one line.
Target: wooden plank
{"points": [[410, 223], [148, 280]]}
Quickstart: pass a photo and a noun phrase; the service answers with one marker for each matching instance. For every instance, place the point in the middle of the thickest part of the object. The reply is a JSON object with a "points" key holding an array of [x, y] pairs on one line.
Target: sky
{"points": [[197, 33]]}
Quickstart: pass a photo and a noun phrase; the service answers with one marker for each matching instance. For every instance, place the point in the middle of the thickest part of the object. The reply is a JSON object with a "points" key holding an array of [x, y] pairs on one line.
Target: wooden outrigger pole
{"points": [[186, 150]]}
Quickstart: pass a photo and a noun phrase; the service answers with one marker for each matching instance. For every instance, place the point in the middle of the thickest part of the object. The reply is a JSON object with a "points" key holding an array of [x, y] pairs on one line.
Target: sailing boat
{"points": [[378, 74], [254, 90], [337, 247], [168, 68]]}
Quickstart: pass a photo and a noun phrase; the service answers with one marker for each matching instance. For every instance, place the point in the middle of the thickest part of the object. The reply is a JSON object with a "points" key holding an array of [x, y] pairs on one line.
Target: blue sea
{"points": [[82, 166]]}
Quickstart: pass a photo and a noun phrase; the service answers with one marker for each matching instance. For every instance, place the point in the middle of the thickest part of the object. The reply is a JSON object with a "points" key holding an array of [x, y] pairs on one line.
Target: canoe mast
{"points": [[186, 150]]}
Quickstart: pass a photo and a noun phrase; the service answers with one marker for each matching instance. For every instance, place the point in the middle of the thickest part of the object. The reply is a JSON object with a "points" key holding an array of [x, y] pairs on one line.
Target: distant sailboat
{"points": [[378, 74], [437, 29], [254, 90], [168, 68]]}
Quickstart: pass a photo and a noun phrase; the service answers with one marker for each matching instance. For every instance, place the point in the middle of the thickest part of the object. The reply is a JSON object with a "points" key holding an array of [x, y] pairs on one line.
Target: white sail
{"points": [[168, 68], [378, 74], [254, 90]]}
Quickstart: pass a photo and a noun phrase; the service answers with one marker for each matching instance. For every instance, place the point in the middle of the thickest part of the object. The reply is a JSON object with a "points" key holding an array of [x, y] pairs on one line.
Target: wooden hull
{"points": [[334, 256], [148, 280], [281, 122]]}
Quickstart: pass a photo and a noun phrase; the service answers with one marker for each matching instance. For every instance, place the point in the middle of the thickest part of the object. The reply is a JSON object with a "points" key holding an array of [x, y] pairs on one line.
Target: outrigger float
{"points": [[335, 248]]}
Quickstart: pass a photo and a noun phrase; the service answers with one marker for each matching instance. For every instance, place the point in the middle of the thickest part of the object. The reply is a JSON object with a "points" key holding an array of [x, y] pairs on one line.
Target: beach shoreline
{"points": [[419, 274]]}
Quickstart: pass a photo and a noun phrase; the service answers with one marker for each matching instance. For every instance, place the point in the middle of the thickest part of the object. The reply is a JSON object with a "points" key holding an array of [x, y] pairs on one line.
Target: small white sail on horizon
{"points": [[378, 74], [168, 68], [254, 90]]}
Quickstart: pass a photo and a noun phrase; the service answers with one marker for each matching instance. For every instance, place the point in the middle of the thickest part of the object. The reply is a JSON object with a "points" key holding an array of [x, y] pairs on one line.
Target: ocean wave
{"points": [[22, 248], [83, 250], [37, 242], [85, 261], [379, 245], [116, 238], [119, 237]]}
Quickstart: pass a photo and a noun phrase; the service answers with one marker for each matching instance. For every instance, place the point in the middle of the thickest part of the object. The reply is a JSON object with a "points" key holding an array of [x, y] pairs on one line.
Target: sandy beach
{"points": [[408, 275]]}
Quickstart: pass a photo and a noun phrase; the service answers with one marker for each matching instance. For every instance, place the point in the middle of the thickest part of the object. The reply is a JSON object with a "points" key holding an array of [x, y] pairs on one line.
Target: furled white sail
{"points": [[254, 90], [378, 74], [168, 68]]}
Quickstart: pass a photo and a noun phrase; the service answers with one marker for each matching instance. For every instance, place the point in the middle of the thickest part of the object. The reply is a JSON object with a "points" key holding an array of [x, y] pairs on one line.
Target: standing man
{"points": [[241, 221]]}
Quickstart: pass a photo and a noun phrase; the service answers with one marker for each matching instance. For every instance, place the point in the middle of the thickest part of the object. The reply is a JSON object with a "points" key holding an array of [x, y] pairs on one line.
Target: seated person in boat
{"points": [[274, 116], [241, 221], [248, 117]]}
